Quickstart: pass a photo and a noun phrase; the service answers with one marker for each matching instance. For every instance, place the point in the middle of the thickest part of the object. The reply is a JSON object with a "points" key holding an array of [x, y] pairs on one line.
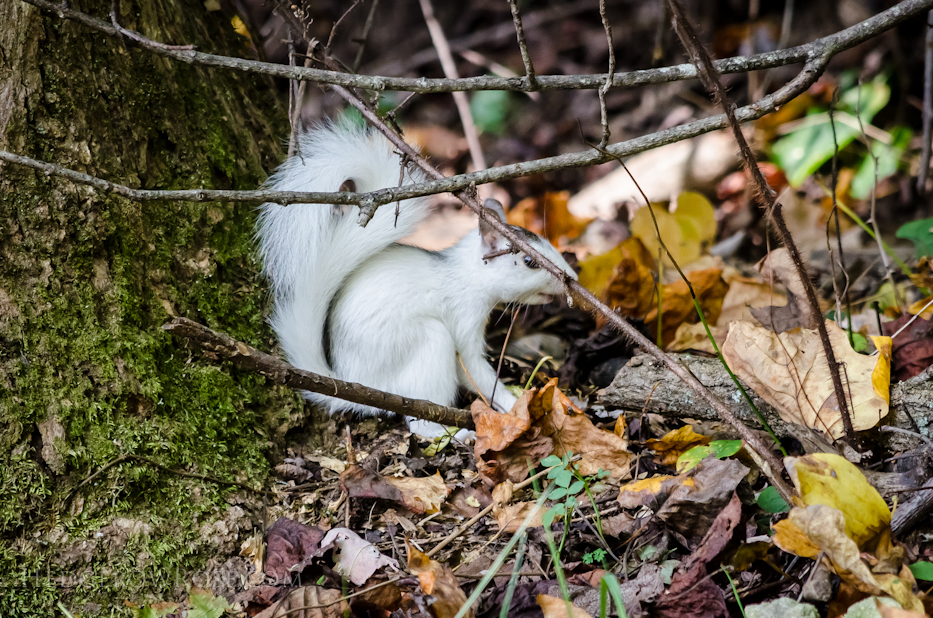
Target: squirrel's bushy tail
{"points": [[308, 250]]}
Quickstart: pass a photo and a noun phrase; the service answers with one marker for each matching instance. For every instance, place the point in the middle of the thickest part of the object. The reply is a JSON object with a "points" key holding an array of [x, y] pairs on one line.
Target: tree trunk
{"points": [[86, 281]]}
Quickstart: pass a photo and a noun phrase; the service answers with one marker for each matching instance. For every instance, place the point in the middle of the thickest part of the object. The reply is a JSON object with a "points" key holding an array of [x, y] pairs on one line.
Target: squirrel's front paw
{"points": [[432, 430]]}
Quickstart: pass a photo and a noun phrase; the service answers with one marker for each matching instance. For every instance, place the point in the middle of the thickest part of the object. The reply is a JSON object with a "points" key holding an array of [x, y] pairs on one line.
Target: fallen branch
{"points": [[280, 372], [645, 384]]}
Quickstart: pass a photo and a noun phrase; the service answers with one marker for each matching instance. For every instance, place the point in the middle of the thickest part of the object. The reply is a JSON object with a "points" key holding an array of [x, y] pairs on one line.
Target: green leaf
{"points": [[920, 233], [489, 109], [889, 158], [859, 342], [771, 501], [803, 151], [691, 458], [667, 570], [647, 552], [922, 570], [205, 605], [725, 448], [558, 493], [571, 503], [576, 488], [155, 610], [551, 460], [548, 519], [609, 584], [564, 477]]}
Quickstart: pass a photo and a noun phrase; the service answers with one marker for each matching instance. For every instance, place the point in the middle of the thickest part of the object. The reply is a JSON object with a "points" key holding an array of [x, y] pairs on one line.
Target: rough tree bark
{"points": [[86, 281]]}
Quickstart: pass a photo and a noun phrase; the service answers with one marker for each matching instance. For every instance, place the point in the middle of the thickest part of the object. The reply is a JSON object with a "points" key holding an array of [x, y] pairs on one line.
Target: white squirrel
{"points": [[351, 303]]}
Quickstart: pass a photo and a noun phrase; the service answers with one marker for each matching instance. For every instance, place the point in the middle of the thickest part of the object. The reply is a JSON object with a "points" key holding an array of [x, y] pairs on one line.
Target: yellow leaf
{"points": [[826, 528], [683, 250], [675, 443], [792, 539], [830, 480], [557, 608], [697, 218], [881, 376], [686, 232], [789, 371]]}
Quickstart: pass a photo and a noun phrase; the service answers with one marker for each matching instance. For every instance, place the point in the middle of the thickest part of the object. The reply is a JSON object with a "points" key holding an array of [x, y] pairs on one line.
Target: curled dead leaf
{"points": [[439, 581]]}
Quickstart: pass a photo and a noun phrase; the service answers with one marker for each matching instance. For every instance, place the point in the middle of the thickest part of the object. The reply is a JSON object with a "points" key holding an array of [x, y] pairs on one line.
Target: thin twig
{"points": [[450, 70], [135, 36], [523, 46], [832, 44], [888, 271], [364, 36], [281, 372], [485, 511], [603, 113], [333, 30], [835, 214], [710, 78], [927, 108]]}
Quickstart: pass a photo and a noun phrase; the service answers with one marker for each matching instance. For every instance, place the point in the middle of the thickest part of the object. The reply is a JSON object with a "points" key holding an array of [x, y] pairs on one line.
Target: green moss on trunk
{"points": [[86, 281]]}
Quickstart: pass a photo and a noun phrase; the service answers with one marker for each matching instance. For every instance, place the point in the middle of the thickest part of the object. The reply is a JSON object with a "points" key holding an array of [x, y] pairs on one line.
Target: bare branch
{"points": [[460, 182], [603, 113], [832, 44], [280, 372], [187, 195], [523, 46]]}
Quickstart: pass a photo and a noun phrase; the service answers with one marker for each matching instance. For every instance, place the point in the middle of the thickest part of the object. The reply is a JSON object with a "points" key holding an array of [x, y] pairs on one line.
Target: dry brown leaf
{"points": [[691, 509], [439, 581], [744, 294], [622, 277], [572, 431], [421, 495], [789, 371], [495, 430], [509, 516], [436, 141], [673, 444], [505, 442], [548, 216], [677, 304], [778, 267], [308, 596], [557, 608]]}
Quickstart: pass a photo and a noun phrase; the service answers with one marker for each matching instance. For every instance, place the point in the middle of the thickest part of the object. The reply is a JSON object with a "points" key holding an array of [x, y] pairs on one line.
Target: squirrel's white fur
{"points": [[393, 317]]}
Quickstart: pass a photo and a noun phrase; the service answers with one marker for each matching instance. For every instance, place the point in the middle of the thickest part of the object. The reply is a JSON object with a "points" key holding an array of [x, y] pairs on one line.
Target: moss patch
{"points": [[86, 281]]}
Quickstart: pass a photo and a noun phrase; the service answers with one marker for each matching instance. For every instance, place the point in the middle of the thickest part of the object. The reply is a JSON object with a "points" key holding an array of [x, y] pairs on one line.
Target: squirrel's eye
{"points": [[530, 263]]}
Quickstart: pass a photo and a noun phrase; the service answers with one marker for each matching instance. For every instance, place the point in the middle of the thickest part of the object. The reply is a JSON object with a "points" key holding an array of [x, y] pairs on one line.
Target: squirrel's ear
{"points": [[491, 237]]}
